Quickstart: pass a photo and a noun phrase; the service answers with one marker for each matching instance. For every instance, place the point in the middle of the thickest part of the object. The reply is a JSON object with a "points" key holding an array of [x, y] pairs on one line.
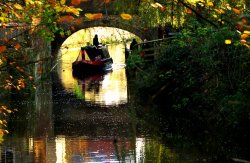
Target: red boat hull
{"points": [[85, 68]]}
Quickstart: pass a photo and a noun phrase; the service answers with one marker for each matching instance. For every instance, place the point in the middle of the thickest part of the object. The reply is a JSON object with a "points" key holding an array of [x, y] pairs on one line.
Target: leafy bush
{"points": [[200, 75]]}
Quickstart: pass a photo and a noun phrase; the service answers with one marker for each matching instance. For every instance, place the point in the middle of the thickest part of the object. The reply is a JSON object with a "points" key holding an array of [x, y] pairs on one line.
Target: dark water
{"points": [[96, 119]]}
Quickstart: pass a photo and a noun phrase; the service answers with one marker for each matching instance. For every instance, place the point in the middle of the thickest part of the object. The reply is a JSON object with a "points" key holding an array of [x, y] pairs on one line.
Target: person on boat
{"points": [[96, 41], [132, 45], [83, 53]]}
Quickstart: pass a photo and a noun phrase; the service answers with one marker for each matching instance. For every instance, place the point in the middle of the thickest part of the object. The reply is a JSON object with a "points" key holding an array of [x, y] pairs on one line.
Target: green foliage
{"points": [[200, 75], [134, 61]]}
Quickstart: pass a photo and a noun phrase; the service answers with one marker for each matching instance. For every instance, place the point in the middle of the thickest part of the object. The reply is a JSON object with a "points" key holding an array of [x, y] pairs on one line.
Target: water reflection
{"points": [[82, 149], [57, 127], [103, 89]]}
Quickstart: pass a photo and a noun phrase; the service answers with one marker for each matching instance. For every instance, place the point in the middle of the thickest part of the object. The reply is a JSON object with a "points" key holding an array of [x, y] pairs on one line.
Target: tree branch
{"points": [[197, 14]]}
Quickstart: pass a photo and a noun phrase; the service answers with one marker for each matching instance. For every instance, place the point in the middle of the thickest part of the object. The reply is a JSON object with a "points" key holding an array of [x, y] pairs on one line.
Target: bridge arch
{"points": [[108, 21]]}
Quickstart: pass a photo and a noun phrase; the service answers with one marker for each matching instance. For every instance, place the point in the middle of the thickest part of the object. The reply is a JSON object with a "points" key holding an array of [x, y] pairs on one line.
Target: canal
{"points": [[97, 119]]}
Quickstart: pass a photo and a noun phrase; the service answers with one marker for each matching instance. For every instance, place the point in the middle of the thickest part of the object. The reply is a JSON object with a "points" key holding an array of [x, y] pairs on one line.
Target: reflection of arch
{"points": [[109, 21]]}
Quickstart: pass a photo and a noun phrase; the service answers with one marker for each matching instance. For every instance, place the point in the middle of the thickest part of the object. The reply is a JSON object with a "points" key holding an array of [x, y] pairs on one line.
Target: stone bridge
{"points": [[132, 26]]}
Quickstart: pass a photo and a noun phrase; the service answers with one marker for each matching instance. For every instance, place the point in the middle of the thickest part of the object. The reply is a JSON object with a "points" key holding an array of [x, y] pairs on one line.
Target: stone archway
{"points": [[107, 21]]}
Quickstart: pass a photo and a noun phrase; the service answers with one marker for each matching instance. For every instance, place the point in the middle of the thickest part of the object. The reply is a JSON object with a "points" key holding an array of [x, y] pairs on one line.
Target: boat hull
{"points": [[81, 68]]}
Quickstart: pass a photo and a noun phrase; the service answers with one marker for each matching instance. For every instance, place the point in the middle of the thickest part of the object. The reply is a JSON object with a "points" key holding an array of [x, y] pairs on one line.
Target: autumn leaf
{"points": [[17, 6], [244, 21], [247, 32], [163, 8], [4, 107], [58, 8], [78, 21], [2, 49], [17, 46], [4, 19], [72, 28], [219, 11], [244, 36], [52, 2], [94, 16], [239, 27], [7, 87], [40, 71], [126, 16], [228, 42], [237, 11], [31, 78], [66, 18], [62, 2], [189, 11], [36, 21], [19, 16], [243, 41], [75, 2], [210, 4], [75, 11], [5, 39], [106, 1], [21, 83], [19, 69], [18, 88], [158, 5]]}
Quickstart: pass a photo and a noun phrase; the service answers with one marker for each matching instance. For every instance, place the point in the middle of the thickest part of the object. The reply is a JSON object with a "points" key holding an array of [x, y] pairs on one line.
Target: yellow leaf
{"points": [[29, 2], [247, 32], [62, 2], [3, 19], [4, 107], [58, 8], [94, 16], [215, 16], [18, 88], [228, 42], [17, 6], [8, 111], [17, 15], [158, 4], [210, 4], [220, 11], [154, 5], [1, 132], [126, 16], [73, 10], [36, 21]]}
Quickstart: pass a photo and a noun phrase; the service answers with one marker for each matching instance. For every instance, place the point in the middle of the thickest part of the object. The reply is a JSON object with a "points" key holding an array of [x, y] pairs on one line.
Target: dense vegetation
{"points": [[200, 82]]}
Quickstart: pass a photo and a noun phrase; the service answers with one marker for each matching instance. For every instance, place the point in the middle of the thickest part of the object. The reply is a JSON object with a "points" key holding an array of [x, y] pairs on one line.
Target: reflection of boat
{"points": [[91, 83], [92, 60]]}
